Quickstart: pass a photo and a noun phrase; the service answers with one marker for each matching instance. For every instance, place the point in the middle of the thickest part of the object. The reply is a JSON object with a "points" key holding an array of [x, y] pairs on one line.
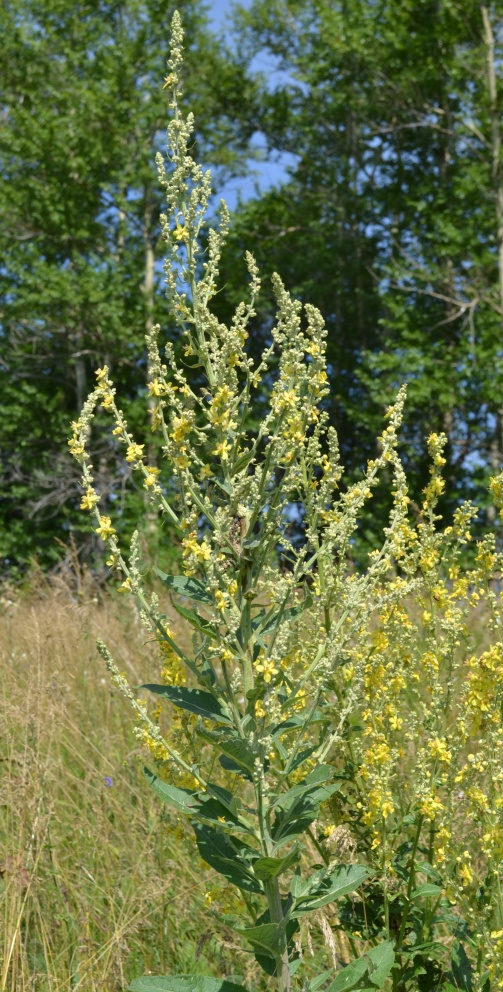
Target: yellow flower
{"points": [[182, 460], [151, 476], [89, 500], [190, 546], [76, 447], [222, 450], [101, 374], [181, 427], [105, 528], [134, 452], [108, 401], [465, 872], [267, 668], [438, 749], [156, 388], [180, 232], [205, 473], [126, 585], [430, 806], [220, 600], [395, 722]]}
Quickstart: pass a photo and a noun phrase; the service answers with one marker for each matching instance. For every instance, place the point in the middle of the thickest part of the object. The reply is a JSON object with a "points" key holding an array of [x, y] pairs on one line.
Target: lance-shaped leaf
{"points": [[183, 800], [194, 700], [268, 939], [267, 868], [266, 624], [462, 971], [183, 983], [351, 977], [294, 722], [232, 803], [382, 959], [428, 890], [237, 749], [368, 972], [300, 806], [185, 586], [197, 621], [213, 804], [316, 779], [227, 855], [301, 757], [324, 887], [320, 980]]}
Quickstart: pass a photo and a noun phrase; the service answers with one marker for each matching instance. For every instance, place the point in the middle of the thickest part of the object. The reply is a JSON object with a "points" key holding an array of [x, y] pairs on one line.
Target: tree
{"points": [[391, 219], [82, 115]]}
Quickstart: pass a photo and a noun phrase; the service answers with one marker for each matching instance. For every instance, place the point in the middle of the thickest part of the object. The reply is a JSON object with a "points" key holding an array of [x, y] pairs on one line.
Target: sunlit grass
{"points": [[96, 887]]}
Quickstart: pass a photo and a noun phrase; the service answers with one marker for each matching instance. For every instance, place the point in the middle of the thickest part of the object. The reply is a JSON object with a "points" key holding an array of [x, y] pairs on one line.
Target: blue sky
{"points": [[262, 173]]}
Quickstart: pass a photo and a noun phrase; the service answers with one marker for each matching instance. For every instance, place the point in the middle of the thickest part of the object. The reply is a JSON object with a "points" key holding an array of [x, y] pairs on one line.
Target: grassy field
{"points": [[95, 887]]}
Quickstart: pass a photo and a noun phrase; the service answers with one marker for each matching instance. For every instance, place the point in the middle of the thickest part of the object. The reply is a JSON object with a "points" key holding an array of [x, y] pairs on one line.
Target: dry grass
{"points": [[96, 887]]}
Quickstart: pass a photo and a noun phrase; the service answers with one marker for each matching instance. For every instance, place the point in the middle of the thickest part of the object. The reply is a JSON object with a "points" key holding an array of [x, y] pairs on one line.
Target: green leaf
{"points": [[227, 855], [192, 588], [232, 803], [232, 766], [183, 983], [268, 938], [382, 960], [198, 622], [266, 868], [320, 980], [350, 977], [183, 800], [323, 888], [234, 747], [301, 758], [314, 792], [429, 871], [462, 972], [299, 807], [194, 700], [265, 624], [426, 890]]}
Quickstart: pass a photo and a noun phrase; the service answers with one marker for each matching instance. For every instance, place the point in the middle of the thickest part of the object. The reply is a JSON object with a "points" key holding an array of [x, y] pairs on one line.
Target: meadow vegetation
{"points": [[95, 886], [327, 737], [335, 734]]}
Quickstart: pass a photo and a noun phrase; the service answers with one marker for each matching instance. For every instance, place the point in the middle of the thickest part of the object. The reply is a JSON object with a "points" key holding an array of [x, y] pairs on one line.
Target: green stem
{"points": [[410, 884], [276, 914]]}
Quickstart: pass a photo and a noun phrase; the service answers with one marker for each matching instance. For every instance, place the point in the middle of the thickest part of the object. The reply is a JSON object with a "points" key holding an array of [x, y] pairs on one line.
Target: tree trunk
{"points": [[495, 451]]}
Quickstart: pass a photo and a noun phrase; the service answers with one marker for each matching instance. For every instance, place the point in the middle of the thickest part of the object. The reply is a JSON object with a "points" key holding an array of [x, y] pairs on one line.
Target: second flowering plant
{"points": [[288, 708]]}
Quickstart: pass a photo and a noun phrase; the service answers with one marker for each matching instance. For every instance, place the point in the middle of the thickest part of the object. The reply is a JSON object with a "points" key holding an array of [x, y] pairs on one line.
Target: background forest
{"points": [[360, 145], [388, 217]]}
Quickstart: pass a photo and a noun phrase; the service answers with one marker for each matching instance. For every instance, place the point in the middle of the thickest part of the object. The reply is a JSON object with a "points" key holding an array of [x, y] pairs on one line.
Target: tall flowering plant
{"points": [[324, 723]]}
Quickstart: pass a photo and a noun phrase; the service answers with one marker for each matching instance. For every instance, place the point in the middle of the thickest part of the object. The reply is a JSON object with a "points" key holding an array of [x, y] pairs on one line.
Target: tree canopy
{"points": [[83, 114], [390, 220]]}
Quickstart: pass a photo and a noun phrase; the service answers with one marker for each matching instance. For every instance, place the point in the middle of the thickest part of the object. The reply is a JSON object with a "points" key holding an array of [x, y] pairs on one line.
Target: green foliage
{"points": [[181, 983], [363, 694], [83, 113], [97, 885], [388, 220]]}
